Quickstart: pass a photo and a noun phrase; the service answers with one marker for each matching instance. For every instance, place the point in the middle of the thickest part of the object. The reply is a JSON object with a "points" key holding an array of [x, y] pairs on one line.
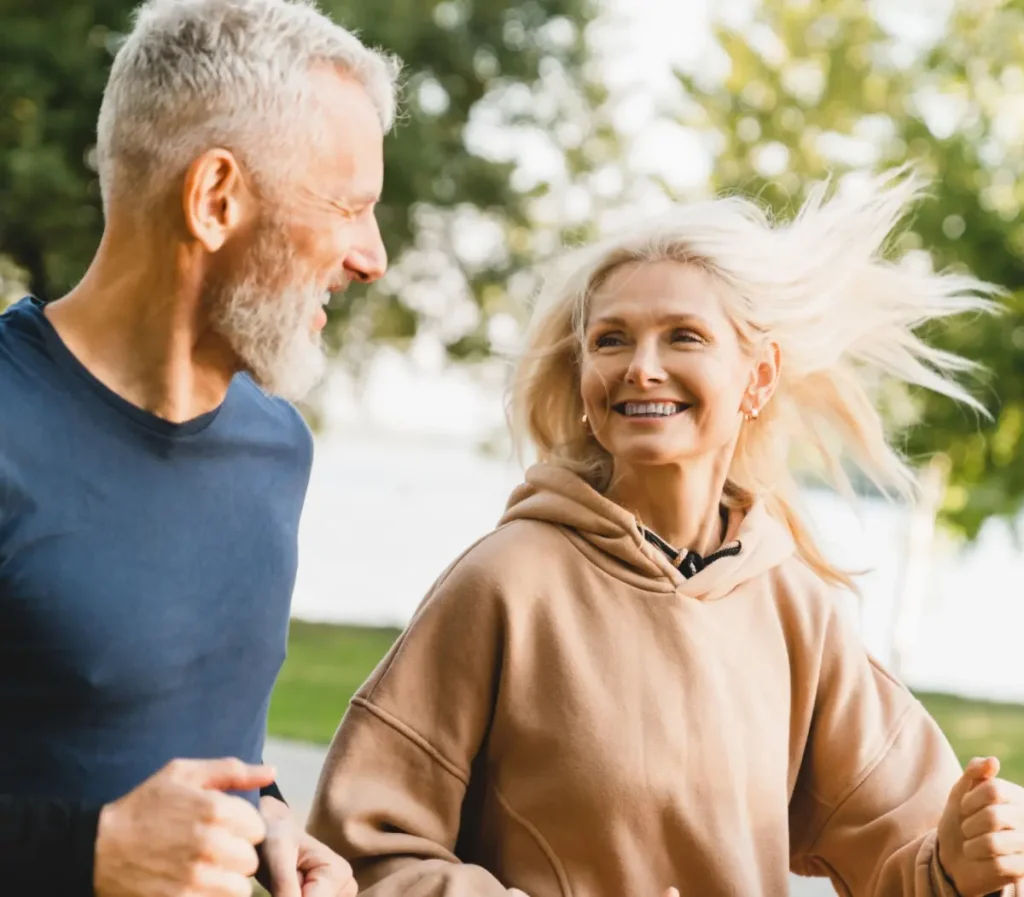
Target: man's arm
{"points": [[176, 829], [47, 846]]}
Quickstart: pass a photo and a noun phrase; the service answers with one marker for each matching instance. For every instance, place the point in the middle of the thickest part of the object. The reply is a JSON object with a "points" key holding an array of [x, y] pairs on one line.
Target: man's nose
{"points": [[368, 259]]}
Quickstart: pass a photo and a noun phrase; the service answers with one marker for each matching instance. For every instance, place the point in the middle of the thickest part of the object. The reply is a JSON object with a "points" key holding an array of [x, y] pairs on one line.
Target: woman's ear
{"points": [[763, 379]]}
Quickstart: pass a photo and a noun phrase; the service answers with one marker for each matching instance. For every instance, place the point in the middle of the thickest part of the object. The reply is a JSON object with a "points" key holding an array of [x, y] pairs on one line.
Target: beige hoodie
{"points": [[567, 715]]}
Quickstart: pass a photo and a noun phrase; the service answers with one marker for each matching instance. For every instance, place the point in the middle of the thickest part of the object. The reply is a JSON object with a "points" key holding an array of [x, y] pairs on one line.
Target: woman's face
{"points": [[664, 375]]}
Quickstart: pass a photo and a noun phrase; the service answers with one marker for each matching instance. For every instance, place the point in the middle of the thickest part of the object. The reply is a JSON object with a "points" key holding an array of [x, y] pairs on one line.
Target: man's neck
{"points": [[136, 324]]}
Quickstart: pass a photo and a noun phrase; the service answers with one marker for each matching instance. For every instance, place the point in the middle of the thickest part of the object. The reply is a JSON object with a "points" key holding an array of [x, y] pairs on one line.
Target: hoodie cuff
{"points": [[943, 884]]}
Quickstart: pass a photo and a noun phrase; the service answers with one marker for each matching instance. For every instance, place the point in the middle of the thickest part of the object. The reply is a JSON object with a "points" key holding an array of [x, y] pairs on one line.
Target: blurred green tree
{"points": [[800, 91], [486, 83], [808, 90]]}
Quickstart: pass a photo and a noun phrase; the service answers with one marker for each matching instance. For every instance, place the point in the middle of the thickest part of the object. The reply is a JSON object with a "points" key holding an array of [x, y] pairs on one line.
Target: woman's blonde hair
{"points": [[820, 286]]}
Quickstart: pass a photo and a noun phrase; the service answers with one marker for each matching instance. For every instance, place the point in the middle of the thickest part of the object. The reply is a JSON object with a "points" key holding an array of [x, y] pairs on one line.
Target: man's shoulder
{"points": [[19, 328], [19, 309], [26, 366], [275, 414]]}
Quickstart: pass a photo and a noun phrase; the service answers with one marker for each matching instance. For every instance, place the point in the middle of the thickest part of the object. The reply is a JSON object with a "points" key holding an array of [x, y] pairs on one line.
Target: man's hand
{"points": [[177, 834], [298, 865], [981, 833]]}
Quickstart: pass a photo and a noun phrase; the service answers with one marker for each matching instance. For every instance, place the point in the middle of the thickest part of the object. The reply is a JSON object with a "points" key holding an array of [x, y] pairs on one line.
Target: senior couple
{"points": [[639, 682]]}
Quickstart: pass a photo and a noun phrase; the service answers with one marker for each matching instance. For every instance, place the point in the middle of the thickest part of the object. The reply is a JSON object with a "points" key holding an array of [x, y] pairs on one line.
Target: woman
{"points": [[640, 679]]}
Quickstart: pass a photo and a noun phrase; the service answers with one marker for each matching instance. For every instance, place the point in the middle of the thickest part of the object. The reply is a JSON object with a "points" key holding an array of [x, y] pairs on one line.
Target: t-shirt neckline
{"points": [[67, 361]]}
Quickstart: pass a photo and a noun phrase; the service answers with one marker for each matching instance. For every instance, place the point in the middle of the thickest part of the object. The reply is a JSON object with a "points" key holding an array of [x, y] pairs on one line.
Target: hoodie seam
{"points": [[411, 735], [539, 839], [833, 874], [561, 528], [859, 780]]}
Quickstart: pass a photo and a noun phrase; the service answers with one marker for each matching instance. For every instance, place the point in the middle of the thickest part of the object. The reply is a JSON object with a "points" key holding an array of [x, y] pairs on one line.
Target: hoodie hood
{"points": [[558, 496]]}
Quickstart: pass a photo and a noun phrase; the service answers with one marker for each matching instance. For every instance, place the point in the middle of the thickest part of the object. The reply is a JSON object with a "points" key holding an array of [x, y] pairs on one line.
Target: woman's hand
{"points": [[981, 833]]}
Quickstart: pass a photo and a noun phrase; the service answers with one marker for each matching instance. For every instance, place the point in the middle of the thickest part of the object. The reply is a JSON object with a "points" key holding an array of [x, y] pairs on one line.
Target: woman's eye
{"points": [[685, 336], [608, 339]]}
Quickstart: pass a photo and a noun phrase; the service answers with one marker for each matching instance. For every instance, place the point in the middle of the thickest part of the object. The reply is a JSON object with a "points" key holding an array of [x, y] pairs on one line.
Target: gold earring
{"points": [[751, 415], [583, 420]]}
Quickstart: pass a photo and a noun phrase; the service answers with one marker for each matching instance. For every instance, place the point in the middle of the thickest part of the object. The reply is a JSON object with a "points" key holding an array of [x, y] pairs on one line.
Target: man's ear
{"points": [[215, 198]]}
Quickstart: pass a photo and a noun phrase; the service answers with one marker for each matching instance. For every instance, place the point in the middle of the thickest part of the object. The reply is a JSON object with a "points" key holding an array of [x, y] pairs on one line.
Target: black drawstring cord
{"points": [[691, 563]]}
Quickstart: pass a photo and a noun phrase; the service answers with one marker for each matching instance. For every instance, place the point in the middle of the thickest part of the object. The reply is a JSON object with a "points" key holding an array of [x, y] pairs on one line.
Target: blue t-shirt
{"points": [[146, 572]]}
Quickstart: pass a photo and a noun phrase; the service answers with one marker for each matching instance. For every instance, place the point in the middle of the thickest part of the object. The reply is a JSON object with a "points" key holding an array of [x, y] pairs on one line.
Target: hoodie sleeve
{"points": [[391, 795], [875, 777]]}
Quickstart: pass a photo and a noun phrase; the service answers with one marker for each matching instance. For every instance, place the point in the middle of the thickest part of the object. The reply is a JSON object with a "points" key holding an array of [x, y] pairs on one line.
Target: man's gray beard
{"points": [[270, 329]]}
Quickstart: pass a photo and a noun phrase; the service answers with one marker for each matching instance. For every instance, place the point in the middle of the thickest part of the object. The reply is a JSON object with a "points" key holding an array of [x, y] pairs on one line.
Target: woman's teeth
{"points": [[651, 409]]}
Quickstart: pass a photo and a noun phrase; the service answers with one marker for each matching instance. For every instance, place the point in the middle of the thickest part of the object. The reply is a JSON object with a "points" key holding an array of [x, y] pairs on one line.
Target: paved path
{"points": [[298, 768]]}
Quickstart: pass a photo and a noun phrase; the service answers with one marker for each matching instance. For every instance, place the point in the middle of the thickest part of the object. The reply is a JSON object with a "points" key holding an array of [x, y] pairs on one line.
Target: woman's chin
{"points": [[662, 450], [651, 455]]}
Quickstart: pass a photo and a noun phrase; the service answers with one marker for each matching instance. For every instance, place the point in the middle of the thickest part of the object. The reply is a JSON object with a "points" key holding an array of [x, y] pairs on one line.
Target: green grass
{"points": [[982, 729], [326, 664]]}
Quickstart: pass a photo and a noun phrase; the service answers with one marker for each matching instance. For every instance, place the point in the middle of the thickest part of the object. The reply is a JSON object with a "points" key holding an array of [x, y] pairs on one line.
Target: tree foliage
{"points": [[812, 90], [482, 79], [505, 129]]}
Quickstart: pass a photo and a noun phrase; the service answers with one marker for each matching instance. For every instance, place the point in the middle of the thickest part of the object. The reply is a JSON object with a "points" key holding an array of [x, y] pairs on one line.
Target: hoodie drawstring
{"points": [[689, 563]]}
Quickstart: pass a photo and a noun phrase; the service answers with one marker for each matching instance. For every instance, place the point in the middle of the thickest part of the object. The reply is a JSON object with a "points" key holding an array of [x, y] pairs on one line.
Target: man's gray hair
{"points": [[194, 74]]}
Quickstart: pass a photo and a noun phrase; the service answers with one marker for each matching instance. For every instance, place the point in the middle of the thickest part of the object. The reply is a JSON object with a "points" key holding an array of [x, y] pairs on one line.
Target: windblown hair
{"points": [[193, 74], [820, 285]]}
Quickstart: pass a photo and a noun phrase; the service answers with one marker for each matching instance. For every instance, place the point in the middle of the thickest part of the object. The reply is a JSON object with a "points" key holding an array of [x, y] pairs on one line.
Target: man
{"points": [[150, 481]]}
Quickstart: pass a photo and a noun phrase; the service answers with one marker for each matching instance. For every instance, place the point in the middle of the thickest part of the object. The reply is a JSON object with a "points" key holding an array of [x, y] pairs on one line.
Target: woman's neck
{"points": [[681, 505]]}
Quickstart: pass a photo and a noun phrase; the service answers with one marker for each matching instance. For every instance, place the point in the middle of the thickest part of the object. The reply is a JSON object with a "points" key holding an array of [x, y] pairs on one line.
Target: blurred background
{"points": [[530, 124]]}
